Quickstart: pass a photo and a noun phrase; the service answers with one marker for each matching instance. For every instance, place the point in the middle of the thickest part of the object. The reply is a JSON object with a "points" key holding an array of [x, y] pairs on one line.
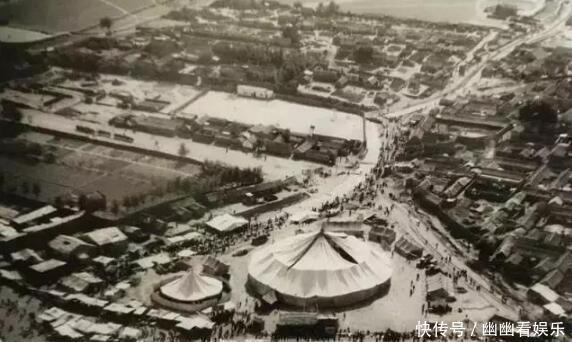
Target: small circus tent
{"points": [[192, 288]]}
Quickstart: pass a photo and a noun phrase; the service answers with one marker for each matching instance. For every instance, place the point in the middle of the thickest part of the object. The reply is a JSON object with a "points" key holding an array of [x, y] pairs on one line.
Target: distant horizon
{"points": [[462, 11]]}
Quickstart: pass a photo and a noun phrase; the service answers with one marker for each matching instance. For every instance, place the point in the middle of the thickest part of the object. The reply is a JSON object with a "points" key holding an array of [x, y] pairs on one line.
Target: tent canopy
{"points": [[192, 287], [227, 223], [319, 265], [304, 216]]}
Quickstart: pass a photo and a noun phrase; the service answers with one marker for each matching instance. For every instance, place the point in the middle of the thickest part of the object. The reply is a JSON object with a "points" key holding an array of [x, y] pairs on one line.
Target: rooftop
{"points": [[66, 244], [106, 236], [48, 265], [34, 215], [226, 223]]}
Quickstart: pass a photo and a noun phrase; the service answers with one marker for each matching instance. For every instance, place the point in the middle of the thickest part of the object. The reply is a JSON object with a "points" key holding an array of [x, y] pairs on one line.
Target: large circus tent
{"points": [[319, 269]]}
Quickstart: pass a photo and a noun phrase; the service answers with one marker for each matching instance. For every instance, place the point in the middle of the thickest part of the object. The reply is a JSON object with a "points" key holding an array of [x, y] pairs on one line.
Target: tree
{"points": [[538, 110], [332, 8], [178, 182], [183, 151], [36, 189], [11, 112], [292, 33], [363, 54], [205, 58], [106, 23], [50, 158], [487, 245], [187, 184], [25, 187], [59, 202], [82, 201], [135, 200], [286, 135], [320, 9], [115, 207], [538, 116]]}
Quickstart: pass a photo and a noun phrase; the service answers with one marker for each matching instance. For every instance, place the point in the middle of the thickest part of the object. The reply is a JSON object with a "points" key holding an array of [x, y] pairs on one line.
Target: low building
{"points": [[215, 267], [385, 236], [195, 327], [83, 282], [276, 148], [71, 248], [542, 294], [408, 249], [36, 236], [25, 257], [47, 272], [473, 131], [33, 216], [256, 92], [325, 76], [104, 263], [325, 157], [554, 311], [225, 139], [457, 187], [234, 195], [227, 224], [110, 240], [159, 126], [150, 105], [439, 290], [500, 176], [306, 325], [148, 124], [7, 231], [301, 217]]}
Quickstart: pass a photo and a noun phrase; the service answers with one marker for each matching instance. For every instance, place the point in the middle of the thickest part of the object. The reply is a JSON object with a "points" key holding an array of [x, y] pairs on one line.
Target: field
{"points": [[297, 118], [53, 16], [11, 34], [85, 167]]}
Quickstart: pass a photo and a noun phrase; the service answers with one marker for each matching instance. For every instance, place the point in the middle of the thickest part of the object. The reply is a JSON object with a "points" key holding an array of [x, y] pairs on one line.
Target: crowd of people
{"points": [[218, 245]]}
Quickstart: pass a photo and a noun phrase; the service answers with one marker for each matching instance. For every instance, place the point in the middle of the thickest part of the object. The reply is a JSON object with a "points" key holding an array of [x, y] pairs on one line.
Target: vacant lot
{"points": [[296, 117], [83, 167]]}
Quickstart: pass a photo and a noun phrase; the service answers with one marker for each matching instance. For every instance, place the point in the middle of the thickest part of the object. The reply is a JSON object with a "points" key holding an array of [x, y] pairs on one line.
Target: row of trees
{"points": [[225, 175], [331, 9], [25, 187], [213, 176], [248, 53]]}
